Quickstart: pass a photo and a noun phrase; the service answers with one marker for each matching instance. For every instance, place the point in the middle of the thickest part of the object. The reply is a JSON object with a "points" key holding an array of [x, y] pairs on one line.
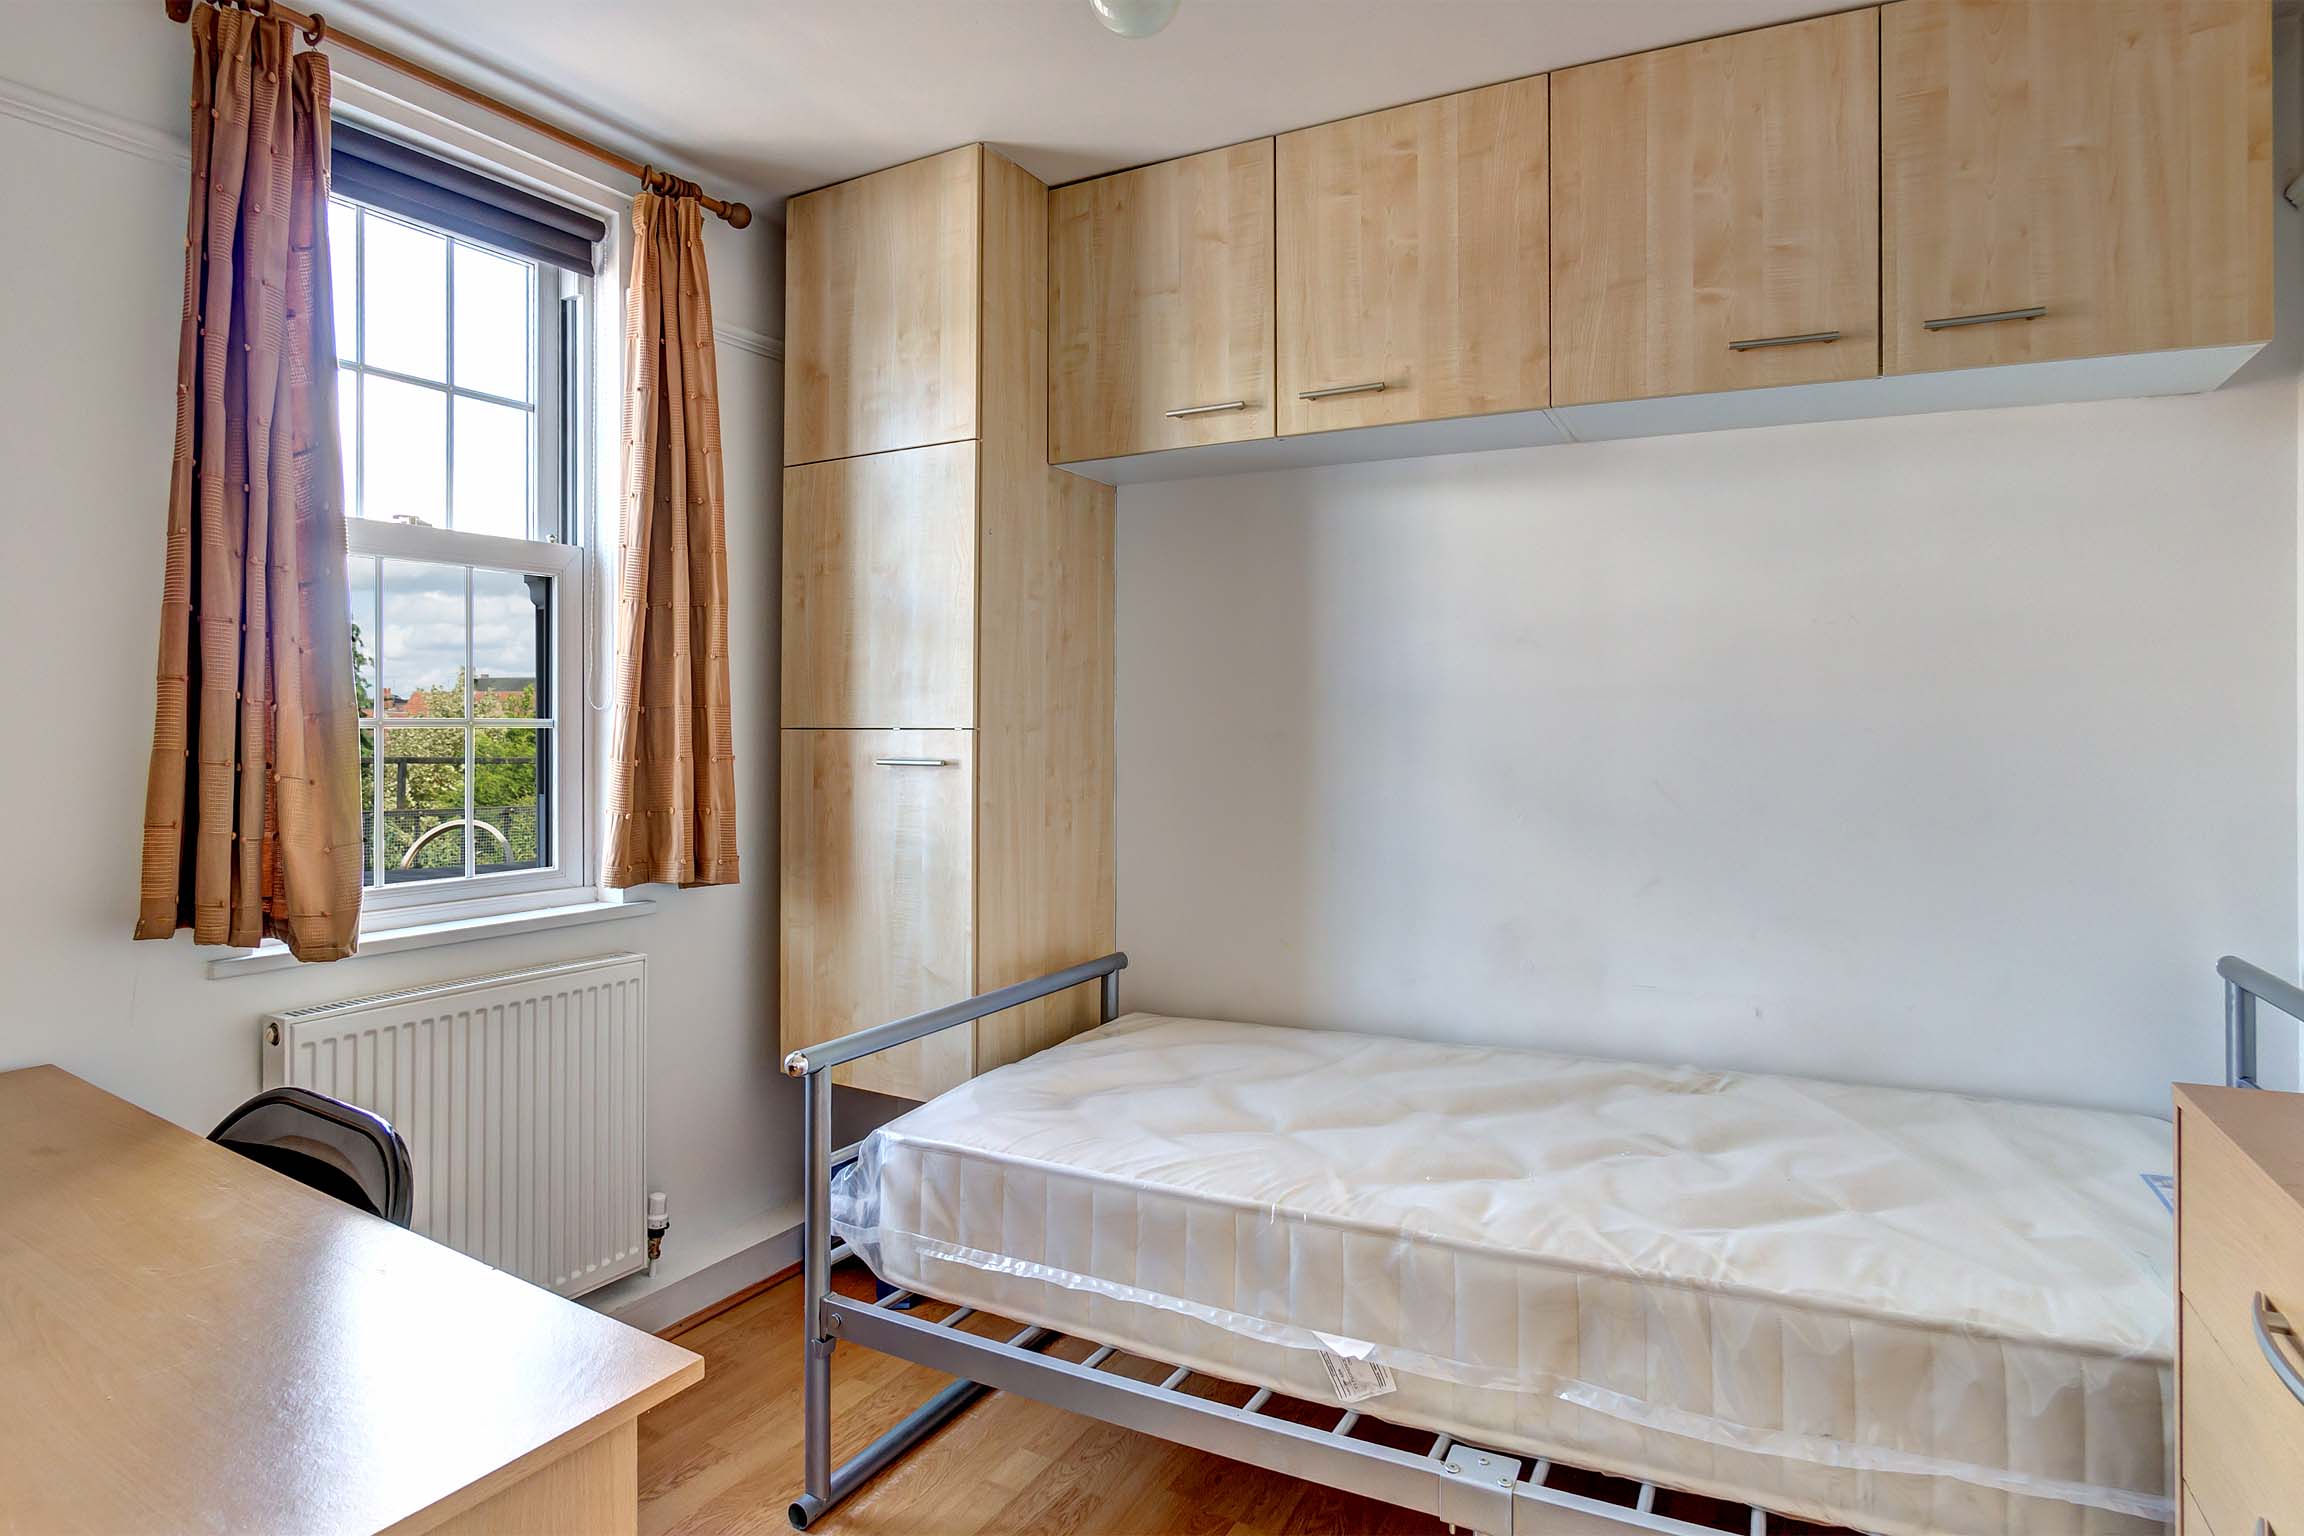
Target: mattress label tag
{"points": [[1352, 1376]]}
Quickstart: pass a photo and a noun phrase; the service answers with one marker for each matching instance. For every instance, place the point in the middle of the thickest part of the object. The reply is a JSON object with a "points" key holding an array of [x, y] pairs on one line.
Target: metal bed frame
{"points": [[1486, 1491], [2244, 986]]}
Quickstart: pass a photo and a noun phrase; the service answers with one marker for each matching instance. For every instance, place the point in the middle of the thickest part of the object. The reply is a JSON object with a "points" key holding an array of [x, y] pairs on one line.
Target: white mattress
{"points": [[1915, 1313]]}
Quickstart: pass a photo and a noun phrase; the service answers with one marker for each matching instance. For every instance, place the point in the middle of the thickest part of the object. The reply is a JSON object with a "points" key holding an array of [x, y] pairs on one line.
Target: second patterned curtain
{"points": [[671, 783]]}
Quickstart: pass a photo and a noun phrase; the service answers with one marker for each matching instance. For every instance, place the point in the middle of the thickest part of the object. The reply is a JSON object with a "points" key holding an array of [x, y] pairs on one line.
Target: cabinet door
{"points": [[1715, 214], [1414, 277], [2074, 180], [881, 306], [877, 897], [880, 590], [1160, 306]]}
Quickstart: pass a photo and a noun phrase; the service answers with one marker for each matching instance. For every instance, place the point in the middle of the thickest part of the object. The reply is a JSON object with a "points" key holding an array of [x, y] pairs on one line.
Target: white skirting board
{"points": [[653, 1304], [2186, 371]]}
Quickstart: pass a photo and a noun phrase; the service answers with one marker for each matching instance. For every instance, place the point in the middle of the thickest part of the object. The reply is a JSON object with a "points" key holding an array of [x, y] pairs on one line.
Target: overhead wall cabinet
{"points": [[947, 627], [1927, 205], [1412, 251], [1716, 214], [1160, 306], [2068, 181]]}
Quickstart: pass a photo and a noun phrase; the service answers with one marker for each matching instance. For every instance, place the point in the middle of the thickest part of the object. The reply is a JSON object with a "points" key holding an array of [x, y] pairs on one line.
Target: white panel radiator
{"points": [[522, 1099]]}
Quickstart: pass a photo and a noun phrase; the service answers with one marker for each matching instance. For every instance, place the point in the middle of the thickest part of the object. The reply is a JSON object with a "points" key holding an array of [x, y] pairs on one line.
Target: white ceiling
{"points": [[770, 97]]}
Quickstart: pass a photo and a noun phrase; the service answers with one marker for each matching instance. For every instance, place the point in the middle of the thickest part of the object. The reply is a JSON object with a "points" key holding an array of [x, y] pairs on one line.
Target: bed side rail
{"points": [[2244, 986], [880, 1037]]}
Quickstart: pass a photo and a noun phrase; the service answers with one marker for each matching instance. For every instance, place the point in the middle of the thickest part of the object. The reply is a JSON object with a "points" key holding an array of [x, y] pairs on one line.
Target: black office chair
{"points": [[337, 1148]]}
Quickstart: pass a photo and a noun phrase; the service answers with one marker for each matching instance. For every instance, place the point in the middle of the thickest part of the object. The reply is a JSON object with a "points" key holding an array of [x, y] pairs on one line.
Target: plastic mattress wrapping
{"points": [[1919, 1314]]}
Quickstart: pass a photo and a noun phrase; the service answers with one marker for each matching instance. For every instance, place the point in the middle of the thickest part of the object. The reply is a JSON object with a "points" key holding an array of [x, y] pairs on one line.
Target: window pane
{"points": [[361, 574], [405, 443], [423, 648], [367, 806], [404, 299], [491, 323], [348, 434], [424, 819], [511, 786], [511, 622], [491, 469], [343, 278]]}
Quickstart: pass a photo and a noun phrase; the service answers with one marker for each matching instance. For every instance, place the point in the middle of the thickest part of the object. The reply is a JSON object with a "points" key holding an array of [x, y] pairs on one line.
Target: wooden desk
{"points": [[192, 1342]]}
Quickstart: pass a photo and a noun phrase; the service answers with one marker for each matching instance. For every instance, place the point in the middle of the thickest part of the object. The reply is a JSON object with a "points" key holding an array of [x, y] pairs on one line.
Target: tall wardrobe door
{"points": [[2074, 180], [882, 298], [1413, 262], [880, 589], [1716, 214], [877, 894]]}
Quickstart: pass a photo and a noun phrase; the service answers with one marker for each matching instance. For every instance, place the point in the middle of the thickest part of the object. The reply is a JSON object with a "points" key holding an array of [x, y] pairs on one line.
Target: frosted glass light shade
{"points": [[1135, 18]]}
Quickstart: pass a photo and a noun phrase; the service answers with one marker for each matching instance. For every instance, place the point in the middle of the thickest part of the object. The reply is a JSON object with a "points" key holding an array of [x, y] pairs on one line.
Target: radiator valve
{"points": [[659, 1223]]}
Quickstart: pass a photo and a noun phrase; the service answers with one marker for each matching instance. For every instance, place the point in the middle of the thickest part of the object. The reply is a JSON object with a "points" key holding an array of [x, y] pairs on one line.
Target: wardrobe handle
{"points": [[1994, 317], [2269, 1322], [1805, 338], [911, 762], [1205, 410], [1373, 387]]}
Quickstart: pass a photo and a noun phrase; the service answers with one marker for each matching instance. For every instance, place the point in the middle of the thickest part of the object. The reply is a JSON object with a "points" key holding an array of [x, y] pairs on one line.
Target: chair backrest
{"points": [[335, 1147]]}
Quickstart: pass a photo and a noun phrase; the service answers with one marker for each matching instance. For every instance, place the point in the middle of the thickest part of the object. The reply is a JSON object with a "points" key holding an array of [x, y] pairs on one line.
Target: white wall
{"points": [[87, 343], [1946, 750]]}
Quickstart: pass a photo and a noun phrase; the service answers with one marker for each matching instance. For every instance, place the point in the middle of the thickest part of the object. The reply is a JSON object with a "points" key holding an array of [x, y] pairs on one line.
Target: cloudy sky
{"points": [[423, 622]]}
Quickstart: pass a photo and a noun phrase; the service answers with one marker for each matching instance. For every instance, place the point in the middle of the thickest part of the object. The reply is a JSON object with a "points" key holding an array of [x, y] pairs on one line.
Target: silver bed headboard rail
{"points": [[813, 1059], [2244, 986], [827, 1485]]}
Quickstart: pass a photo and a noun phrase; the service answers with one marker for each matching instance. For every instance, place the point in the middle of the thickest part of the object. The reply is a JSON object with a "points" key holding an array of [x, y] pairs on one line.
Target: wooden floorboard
{"points": [[724, 1456]]}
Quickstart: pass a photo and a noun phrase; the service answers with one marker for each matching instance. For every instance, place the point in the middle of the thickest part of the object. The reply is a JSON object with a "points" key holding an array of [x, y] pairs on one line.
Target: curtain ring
{"points": [[317, 33]]}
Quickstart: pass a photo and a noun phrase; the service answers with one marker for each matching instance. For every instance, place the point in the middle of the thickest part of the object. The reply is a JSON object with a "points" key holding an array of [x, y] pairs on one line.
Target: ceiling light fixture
{"points": [[1135, 18]]}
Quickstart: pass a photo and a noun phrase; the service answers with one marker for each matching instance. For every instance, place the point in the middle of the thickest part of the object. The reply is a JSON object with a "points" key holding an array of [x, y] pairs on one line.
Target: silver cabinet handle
{"points": [[2269, 1322], [1372, 387], [911, 762], [1805, 338], [1994, 317], [1206, 410]]}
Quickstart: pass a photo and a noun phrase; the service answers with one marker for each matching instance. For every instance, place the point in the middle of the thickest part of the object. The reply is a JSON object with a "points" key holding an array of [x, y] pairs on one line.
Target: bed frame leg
{"points": [[825, 1485], [815, 1280]]}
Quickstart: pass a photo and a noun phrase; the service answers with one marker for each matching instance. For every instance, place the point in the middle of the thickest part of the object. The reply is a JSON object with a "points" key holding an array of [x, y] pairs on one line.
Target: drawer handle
{"points": [[1372, 387], [1992, 317], [2269, 1322], [911, 762], [1206, 410], [1805, 338]]}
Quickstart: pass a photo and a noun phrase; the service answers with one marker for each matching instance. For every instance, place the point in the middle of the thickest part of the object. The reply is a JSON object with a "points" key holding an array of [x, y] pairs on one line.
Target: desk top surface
{"points": [[190, 1341]]}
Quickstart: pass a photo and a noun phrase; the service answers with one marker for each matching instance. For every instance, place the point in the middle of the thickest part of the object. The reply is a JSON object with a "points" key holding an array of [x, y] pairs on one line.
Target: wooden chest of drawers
{"points": [[2240, 1279]]}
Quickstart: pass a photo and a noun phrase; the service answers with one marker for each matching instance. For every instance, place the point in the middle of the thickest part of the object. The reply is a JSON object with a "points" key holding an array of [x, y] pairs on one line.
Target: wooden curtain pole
{"points": [[317, 31]]}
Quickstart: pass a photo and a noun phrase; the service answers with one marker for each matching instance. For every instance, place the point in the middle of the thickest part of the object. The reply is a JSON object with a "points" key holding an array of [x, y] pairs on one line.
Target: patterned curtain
{"points": [[672, 789], [252, 811]]}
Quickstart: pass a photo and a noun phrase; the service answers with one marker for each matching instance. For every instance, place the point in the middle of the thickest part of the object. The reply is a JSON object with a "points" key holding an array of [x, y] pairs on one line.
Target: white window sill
{"points": [[272, 955]]}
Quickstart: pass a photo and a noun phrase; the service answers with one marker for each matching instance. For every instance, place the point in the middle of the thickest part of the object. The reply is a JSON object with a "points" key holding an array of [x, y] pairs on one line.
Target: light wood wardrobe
{"points": [[947, 627]]}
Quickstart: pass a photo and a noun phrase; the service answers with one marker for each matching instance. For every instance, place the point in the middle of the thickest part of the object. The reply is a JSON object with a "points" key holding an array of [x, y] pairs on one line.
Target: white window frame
{"points": [[565, 401], [571, 872]]}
